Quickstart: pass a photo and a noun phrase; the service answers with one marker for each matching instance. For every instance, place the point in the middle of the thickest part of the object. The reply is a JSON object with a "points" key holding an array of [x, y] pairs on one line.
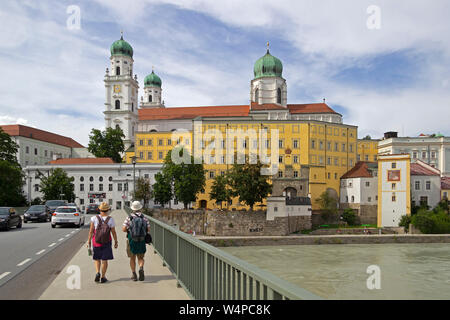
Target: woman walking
{"points": [[102, 226]]}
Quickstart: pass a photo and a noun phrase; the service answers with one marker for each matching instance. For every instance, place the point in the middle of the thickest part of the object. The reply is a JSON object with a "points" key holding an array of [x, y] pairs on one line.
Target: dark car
{"points": [[9, 218], [37, 213], [53, 204], [92, 208]]}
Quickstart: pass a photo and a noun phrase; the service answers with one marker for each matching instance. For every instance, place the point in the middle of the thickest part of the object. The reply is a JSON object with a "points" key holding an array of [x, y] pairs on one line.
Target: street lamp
{"points": [[133, 161]]}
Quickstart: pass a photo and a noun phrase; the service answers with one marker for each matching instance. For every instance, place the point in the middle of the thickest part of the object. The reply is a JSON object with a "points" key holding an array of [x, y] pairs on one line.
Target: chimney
{"points": [[390, 134]]}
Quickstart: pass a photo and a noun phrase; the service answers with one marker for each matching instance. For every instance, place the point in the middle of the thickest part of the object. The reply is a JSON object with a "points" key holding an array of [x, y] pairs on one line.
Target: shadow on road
{"points": [[148, 279]]}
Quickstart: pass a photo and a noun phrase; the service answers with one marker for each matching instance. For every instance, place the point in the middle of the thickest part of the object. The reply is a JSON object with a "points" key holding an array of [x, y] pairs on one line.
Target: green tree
{"points": [[328, 206], [219, 190], [187, 178], [108, 143], [248, 184], [162, 189], [8, 148], [57, 183], [405, 221], [349, 216], [143, 191]]}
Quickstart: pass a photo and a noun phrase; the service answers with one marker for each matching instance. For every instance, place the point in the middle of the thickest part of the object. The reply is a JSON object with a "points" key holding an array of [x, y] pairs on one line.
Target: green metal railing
{"points": [[208, 273]]}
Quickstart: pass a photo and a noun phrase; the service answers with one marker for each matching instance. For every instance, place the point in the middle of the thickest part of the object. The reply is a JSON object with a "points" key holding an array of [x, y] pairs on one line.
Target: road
{"points": [[32, 256]]}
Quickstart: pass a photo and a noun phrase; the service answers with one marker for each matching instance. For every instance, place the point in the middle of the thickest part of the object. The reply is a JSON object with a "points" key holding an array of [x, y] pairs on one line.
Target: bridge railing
{"points": [[208, 273]]}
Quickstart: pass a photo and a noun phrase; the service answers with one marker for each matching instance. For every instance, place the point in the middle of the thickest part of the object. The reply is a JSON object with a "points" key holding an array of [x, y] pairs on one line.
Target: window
{"points": [[295, 159], [329, 146], [313, 144], [150, 155], [100, 179], [160, 142], [445, 194], [257, 95], [141, 142], [81, 179], [91, 179], [119, 187], [211, 174], [414, 155], [394, 198], [329, 175], [150, 98], [100, 187], [428, 185], [280, 174], [36, 188], [91, 187], [329, 161], [160, 155], [110, 179], [117, 71], [394, 186], [375, 158], [394, 165], [433, 155], [150, 142], [280, 159], [82, 187], [353, 199], [81, 202], [295, 144], [351, 162], [275, 209], [125, 186], [367, 184], [280, 143], [417, 185], [110, 187], [343, 147], [336, 146], [169, 142], [335, 176], [45, 153], [27, 149], [279, 96], [366, 157], [423, 201], [35, 151], [117, 105], [141, 155], [351, 147], [295, 174], [321, 145], [369, 199], [424, 155]]}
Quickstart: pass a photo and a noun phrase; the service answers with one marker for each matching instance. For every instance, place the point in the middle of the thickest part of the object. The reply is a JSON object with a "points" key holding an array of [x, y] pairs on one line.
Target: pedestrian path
{"points": [[159, 283]]}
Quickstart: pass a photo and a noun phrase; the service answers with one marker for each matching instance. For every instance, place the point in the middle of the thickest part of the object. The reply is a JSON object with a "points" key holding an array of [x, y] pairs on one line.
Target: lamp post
{"points": [[133, 160]]}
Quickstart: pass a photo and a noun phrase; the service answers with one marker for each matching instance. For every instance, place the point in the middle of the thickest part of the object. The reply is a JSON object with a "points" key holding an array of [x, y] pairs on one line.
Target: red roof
{"points": [[82, 161], [226, 111], [192, 112], [32, 133], [360, 170], [445, 183], [310, 108], [420, 168]]}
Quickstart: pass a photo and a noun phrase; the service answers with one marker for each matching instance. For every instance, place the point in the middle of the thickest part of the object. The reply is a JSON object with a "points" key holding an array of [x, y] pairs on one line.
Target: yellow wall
{"points": [[316, 148], [368, 150]]}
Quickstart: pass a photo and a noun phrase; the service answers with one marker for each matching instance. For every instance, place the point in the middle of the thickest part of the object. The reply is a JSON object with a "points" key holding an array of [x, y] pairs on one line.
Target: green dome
{"points": [[152, 80], [268, 66], [121, 47]]}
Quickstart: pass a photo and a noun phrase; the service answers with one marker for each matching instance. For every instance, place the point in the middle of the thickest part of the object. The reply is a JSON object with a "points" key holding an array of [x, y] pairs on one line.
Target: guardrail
{"points": [[208, 273]]}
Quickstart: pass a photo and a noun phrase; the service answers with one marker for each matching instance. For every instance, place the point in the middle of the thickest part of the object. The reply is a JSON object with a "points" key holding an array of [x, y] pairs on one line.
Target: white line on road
{"points": [[68, 235], [61, 239], [73, 231], [23, 262], [52, 244], [38, 253], [4, 275]]}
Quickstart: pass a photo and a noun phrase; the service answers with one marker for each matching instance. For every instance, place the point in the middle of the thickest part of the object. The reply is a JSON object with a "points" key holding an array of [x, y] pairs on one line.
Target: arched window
{"points": [[117, 71], [117, 104], [150, 98], [132, 107], [279, 96], [257, 95]]}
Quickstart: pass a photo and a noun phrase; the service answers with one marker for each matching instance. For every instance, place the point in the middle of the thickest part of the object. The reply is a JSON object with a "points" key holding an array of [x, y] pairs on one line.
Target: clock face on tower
{"points": [[117, 88]]}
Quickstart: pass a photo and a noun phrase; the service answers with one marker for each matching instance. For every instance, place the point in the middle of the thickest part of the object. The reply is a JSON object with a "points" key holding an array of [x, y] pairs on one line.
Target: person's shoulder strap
{"points": [[100, 221], [107, 219]]}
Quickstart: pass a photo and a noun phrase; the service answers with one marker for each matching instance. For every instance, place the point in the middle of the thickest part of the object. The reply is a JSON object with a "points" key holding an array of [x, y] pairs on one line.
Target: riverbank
{"points": [[324, 239]]}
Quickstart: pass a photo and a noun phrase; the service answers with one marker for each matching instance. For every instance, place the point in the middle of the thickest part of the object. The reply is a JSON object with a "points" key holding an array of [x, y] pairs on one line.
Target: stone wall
{"points": [[234, 223], [368, 214]]}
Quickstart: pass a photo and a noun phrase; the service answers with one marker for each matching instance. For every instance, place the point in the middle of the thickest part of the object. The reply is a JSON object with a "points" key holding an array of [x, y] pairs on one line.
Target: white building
{"points": [[434, 151], [38, 147], [425, 185], [96, 180]]}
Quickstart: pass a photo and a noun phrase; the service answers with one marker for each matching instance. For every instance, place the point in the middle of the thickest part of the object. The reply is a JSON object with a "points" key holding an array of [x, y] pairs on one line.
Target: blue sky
{"points": [[393, 78]]}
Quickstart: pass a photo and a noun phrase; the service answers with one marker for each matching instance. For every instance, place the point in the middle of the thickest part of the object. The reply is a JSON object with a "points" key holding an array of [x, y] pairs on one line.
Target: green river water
{"points": [[408, 271]]}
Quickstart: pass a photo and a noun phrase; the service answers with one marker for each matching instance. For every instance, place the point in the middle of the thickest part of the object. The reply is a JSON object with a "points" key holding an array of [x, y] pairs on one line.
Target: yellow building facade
{"points": [[367, 150]]}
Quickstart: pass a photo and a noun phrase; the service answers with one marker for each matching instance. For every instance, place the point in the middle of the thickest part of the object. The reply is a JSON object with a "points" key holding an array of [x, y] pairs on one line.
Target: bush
{"points": [[349, 216], [405, 222], [434, 222]]}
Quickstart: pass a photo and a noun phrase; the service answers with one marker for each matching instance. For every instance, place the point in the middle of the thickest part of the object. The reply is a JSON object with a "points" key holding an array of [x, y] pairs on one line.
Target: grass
{"points": [[336, 226]]}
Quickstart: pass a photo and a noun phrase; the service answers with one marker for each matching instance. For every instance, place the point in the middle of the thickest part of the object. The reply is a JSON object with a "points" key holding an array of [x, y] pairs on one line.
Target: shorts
{"points": [[104, 252], [130, 254]]}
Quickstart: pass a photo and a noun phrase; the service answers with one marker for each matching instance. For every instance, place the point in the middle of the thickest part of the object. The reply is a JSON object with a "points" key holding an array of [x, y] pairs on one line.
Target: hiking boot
{"points": [[141, 275], [97, 277], [103, 280], [134, 276]]}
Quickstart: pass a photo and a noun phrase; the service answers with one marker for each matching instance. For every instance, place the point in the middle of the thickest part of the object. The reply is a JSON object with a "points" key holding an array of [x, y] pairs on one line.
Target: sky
{"points": [[383, 64]]}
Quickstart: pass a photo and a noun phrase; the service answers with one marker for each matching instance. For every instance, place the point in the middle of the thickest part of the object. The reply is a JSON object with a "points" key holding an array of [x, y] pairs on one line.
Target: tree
{"points": [[248, 184], [367, 138], [57, 183], [349, 216], [187, 178], [143, 190], [219, 190], [162, 189], [328, 205], [8, 148], [108, 143]]}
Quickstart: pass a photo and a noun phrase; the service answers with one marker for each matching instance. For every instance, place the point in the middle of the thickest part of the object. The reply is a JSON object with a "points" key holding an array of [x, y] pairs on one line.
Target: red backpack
{"points": [[102, 233]]}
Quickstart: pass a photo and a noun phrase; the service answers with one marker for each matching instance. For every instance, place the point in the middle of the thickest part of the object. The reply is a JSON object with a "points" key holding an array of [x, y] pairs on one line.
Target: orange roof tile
{"points": [[267, 106], [41, 135], [192, 112], [445, 183], [423, 169], [360, 170], [310, 108], [82, 161]]}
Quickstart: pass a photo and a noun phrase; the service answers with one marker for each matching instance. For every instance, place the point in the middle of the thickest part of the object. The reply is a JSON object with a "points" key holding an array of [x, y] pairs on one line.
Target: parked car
{"points": [[67, 215], [72, 204], [9, 218], [37, 213], [53, 204], [92, 208]]}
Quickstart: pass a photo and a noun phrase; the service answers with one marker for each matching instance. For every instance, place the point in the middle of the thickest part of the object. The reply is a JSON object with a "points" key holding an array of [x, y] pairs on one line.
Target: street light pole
{"points": [[133, 160]]}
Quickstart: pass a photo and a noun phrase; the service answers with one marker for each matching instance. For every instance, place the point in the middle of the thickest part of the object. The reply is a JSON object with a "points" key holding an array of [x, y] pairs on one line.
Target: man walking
{"points": [[136, 226]]}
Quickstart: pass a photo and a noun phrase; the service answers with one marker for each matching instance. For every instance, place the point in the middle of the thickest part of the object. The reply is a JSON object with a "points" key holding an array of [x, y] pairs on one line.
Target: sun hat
{"points": [[136, 205], [104, 206]]}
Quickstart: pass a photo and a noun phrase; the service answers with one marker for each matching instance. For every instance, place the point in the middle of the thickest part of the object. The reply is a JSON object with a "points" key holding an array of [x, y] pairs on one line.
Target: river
{"points": [[408, 271]]}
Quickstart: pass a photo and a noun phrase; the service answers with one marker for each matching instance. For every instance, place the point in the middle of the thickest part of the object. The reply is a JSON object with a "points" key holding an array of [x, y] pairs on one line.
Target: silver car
{"points": [[67, 215]]}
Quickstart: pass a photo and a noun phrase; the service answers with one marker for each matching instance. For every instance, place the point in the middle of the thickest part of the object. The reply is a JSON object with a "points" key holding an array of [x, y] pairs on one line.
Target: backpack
{"points": [[102, 233], [138, 228]]}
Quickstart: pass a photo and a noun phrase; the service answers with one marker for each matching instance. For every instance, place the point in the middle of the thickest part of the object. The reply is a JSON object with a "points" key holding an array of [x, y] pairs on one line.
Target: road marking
{"points": [[61, 239], [52, 244], [73, 231], [68, 235], [38, 253], [23, 262], [4, 275]]}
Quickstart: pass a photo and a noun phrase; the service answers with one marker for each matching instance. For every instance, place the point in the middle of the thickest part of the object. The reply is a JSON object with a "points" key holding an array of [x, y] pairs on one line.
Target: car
{"points": [[92, 208], [72, 204], [9, 218], [65, 215], [53, 204], [37, 213]]}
